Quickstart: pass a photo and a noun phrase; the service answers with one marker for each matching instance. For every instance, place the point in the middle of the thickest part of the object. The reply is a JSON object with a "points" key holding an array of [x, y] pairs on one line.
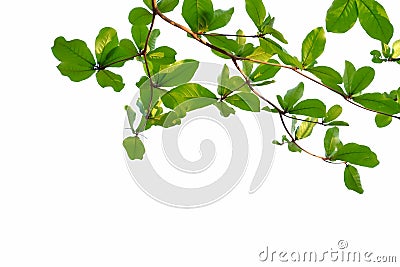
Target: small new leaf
{"points": [[331, 141], [333, 113], [131, 117]]}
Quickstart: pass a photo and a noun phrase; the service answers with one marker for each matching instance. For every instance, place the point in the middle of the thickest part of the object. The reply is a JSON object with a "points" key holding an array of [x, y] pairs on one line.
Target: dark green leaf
{"points": [[139, 34], [75, 72], [119, 55], [140, 16], [163, 55], [326, 74], [106, 41], [349, 71], [131, 116], [313, 46], [264, 72], [166, 6], [245, 101], [310, 107], [357, 154], [361, 79], [245, 50], [221, 19], [293, 96], [333, 113], [198, 14], [106, 78], [224, 43], [281, 102], [305, 129], [256, 11], [341, 16], [77, 62], [331, 141], [378, 102], [338, 123], [224, 109], [176, 74], [134, 148], [374, 20], [352, 179], [293, 147], [383, 120]]}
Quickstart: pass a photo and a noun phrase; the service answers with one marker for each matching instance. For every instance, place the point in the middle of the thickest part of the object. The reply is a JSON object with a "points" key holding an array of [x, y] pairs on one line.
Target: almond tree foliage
{"points": [[167, 93]]}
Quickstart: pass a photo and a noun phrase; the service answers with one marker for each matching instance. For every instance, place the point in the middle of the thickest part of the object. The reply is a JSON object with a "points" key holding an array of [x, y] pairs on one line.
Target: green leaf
{"points": [[165, 120], [341, 16], [153, 38], [198, 14], [176, 74], [264, 72], [383, 120], [305, 129], [106, 41], [77, 62], [75, 72], [245, 101], [352, 179], [313, 46], [326, 74], [333, 113], [275, 33], [361, 79], [281, 102], [378, 102], [293, 96], [106, 78], [311, 107], [338, 123], [223, 80], [163, 55], [293, 147], [146, 94], [349, 71], [256, 11], [247, 67], [374, 20], [134, 148], [118, 56], [221, 19], [331, 141], [224, 43], [245, 50], [224, 109], [181, 98], [140, 16], [260, 54], [131, 116], [396, 49], [139, 34], [166, 6], [357, 154], [386, 51]]}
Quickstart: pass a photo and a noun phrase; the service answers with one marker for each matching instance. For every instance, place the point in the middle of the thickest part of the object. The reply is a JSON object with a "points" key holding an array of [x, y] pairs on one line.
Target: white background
{"points": [[67, 199]]}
